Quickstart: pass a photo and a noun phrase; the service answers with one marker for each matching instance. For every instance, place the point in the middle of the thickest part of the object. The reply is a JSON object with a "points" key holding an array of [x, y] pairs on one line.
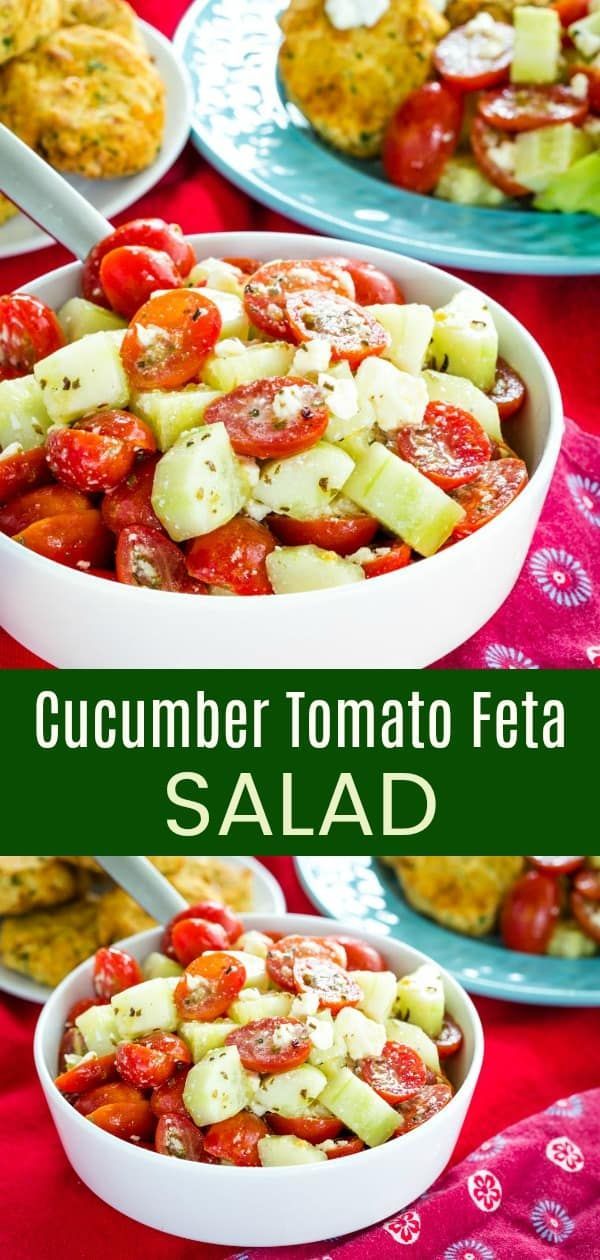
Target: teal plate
{"points": [[363, 891], [244, 126]]}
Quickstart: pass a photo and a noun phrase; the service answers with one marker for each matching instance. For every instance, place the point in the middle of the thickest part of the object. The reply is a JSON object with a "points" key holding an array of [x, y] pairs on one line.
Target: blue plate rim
{"points": [[463, 257], [531, 993]]}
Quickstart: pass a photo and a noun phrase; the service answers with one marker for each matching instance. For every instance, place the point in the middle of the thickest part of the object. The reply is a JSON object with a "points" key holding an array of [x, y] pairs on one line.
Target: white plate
{"points": [[267, 898], [20, 236]]}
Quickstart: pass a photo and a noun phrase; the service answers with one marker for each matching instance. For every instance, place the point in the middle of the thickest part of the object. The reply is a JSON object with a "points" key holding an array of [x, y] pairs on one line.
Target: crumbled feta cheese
{"points": [[288, 401], [320, 1030], [340, 394], [284, 1035], [251, 470], [580, 86], [491, 36], [150, 334], [311, 358], [503, 155], [249, 995], [347, 14], [305, 1004], [14, 448], [228, 347], [217, 274], [396, 397], [256, 511]]}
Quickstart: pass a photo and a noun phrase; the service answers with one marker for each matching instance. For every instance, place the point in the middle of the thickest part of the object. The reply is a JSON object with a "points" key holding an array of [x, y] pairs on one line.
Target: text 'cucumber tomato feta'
{"points": [[236, 427], [240, 1047]]}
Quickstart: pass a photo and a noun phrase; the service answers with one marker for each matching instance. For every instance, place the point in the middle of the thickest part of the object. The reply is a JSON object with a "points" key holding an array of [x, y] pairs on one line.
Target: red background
{"points": [[533, 1056]]}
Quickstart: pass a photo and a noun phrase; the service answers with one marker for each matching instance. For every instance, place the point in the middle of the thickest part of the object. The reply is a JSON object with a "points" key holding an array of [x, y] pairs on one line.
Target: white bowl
{"points": [[253, 1207], [405, 620]]}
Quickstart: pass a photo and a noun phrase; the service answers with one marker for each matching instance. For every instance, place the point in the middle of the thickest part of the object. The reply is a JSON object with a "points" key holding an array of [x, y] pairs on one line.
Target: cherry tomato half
{"points": [[209, 986], [135, 433], [450, 447], [214, 912], [387, 560], [114, 971], [345, 1146], [192, 937], [23, 471], [247, 266], [113, 1092], [397, 1075], [260, 427], [509, 391], [130, 503], [167, 1099], [484, 142], [236, 1139], [282, 957], [272, 1044], [450, 1039], [570, 11], [471, 60], [130, 275], [557, 865], [71, 1042], [309, 1128], [520, 107], [153, 233], [421, 136], [352, 333], [36, 505], [587, 913], [87, 1075], [29, 330], [372, 287], [77, 539], [233, 556], [146, 557], [88, 461], [129, 1121], [150, 1062], [179, 1137], [587, 882], [424, 1105], [342, 534], [266, 292], [360, 956], [529, 913], [333, 986], [497, 485], [167, 342]]}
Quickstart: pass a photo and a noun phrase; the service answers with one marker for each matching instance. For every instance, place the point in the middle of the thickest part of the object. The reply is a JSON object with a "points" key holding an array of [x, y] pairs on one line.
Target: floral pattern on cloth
{"points": [[551, 620], [525, 1194]]}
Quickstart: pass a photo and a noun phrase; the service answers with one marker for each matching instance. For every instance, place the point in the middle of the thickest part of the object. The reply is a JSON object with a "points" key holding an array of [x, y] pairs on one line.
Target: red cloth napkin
{"points": [[562, 313], [533, 1056], [533, 1186]]}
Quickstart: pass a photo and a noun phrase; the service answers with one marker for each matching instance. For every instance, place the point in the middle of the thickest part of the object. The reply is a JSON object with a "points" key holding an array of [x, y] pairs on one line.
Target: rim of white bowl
{"points": [[239, 242], [304, 923]]}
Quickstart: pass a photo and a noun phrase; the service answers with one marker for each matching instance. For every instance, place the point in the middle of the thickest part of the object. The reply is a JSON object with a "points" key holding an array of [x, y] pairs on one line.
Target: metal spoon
{"points": [[146, 885], [47, 198]]}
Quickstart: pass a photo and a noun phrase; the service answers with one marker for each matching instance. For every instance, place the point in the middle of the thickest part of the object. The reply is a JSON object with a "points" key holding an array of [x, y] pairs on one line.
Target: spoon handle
{"points": [[146, 884], [47, 198]]}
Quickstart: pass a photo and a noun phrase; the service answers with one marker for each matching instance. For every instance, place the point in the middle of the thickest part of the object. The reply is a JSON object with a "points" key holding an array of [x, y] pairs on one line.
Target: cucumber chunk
{"points": [[586, 35], [464, 340], [304, 485], [459, 392], [201, 1038], [544, 154], [79, 318], [410, 328], [289, 1093], [378, 990], [157, 965], [145, 1007], [99, 1030], [171, 414], [234, 321], [392, 396], [254, 942], [23, 415], [360, 1108], [465, 184], [295, 569], [198, 483], [413, 1036], [576, 190], [279, 1152], [568, 941], [420, 999], [537, 45], [83, 377], [405, 501], [233, 363], [218, 1086], [363, 1037], [268, 1005]]}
